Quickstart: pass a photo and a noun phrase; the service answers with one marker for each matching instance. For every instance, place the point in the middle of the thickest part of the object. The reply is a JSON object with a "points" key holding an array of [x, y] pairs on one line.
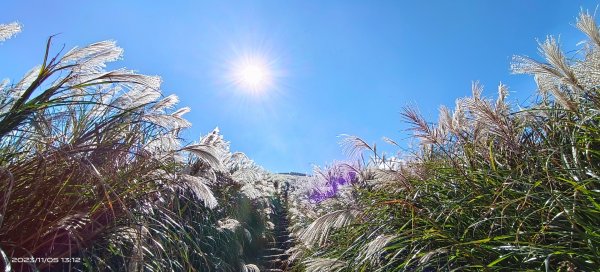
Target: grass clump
{"points": [[94, 176], [489, 188]]}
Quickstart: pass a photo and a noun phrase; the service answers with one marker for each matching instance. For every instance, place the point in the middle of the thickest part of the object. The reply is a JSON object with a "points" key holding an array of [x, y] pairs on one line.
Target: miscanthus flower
{"points": [[327, 182]]}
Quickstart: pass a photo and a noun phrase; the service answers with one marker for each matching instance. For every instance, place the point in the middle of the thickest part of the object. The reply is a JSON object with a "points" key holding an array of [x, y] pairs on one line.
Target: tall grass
{"points": [[490, 188], [92, 170], [94, 176]]}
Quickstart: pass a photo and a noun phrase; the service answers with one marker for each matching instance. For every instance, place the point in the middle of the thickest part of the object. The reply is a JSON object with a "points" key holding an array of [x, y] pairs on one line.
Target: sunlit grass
{"points": [[92, 169], [94, 177], [489, 188]]}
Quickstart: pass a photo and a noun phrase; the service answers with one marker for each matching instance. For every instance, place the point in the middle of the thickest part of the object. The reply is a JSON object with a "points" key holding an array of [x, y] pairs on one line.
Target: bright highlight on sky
{"points": [[252, 74], [350, 66]]}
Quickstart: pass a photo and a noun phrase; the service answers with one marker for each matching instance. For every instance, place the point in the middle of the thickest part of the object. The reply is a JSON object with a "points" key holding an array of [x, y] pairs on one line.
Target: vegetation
{"points": [[490, 188], [94, 177]]}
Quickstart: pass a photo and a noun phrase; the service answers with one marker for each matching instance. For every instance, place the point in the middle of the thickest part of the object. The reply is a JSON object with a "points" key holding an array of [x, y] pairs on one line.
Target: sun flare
{"points": [[252, 73]]}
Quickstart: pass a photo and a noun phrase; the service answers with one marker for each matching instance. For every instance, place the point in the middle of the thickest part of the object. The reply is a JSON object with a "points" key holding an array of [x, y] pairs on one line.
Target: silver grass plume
{"points": [[587, 24], [104, 98], [390, 141], [372, 251], [215, 139], [445, 119], [562, 98], [238, 161], [501, 105], [169, 121], [551, 51], [7, 99], [491, 118], [476, 90], [3, 84], [228, 224], [24, 83], [246, 174], [556, 67], [251, 191], [92, 58], [324, 265], [137, 96], [255, 190], [354, 146], [459, 118], [9, 30], [427, 256], [244, 171], [135, 236], [198, 186], [422, 130], [164, 144], [126, 78], [166, 103], [318, 231], [250, 268], [587, 70], [181, 112], [205, 152], [393, 179], [73, 222]]}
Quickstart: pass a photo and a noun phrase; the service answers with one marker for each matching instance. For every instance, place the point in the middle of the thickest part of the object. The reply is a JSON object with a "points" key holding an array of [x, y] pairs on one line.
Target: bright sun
{"points": [[253, 74]]}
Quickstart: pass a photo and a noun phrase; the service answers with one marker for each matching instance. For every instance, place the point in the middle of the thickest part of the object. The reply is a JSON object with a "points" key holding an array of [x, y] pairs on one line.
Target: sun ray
{"points": [[252, 73]]}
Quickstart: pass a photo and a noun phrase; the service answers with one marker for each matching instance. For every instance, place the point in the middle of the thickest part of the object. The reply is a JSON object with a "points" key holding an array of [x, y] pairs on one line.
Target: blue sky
{"points": [[344, 67]]}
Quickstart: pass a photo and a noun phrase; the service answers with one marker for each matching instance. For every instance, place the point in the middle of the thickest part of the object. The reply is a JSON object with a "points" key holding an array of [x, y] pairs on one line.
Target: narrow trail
{"points": [[275, 258]]}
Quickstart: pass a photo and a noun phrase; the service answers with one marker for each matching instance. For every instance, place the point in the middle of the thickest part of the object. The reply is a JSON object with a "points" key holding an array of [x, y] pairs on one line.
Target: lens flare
{"points": [[253, 74]]}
